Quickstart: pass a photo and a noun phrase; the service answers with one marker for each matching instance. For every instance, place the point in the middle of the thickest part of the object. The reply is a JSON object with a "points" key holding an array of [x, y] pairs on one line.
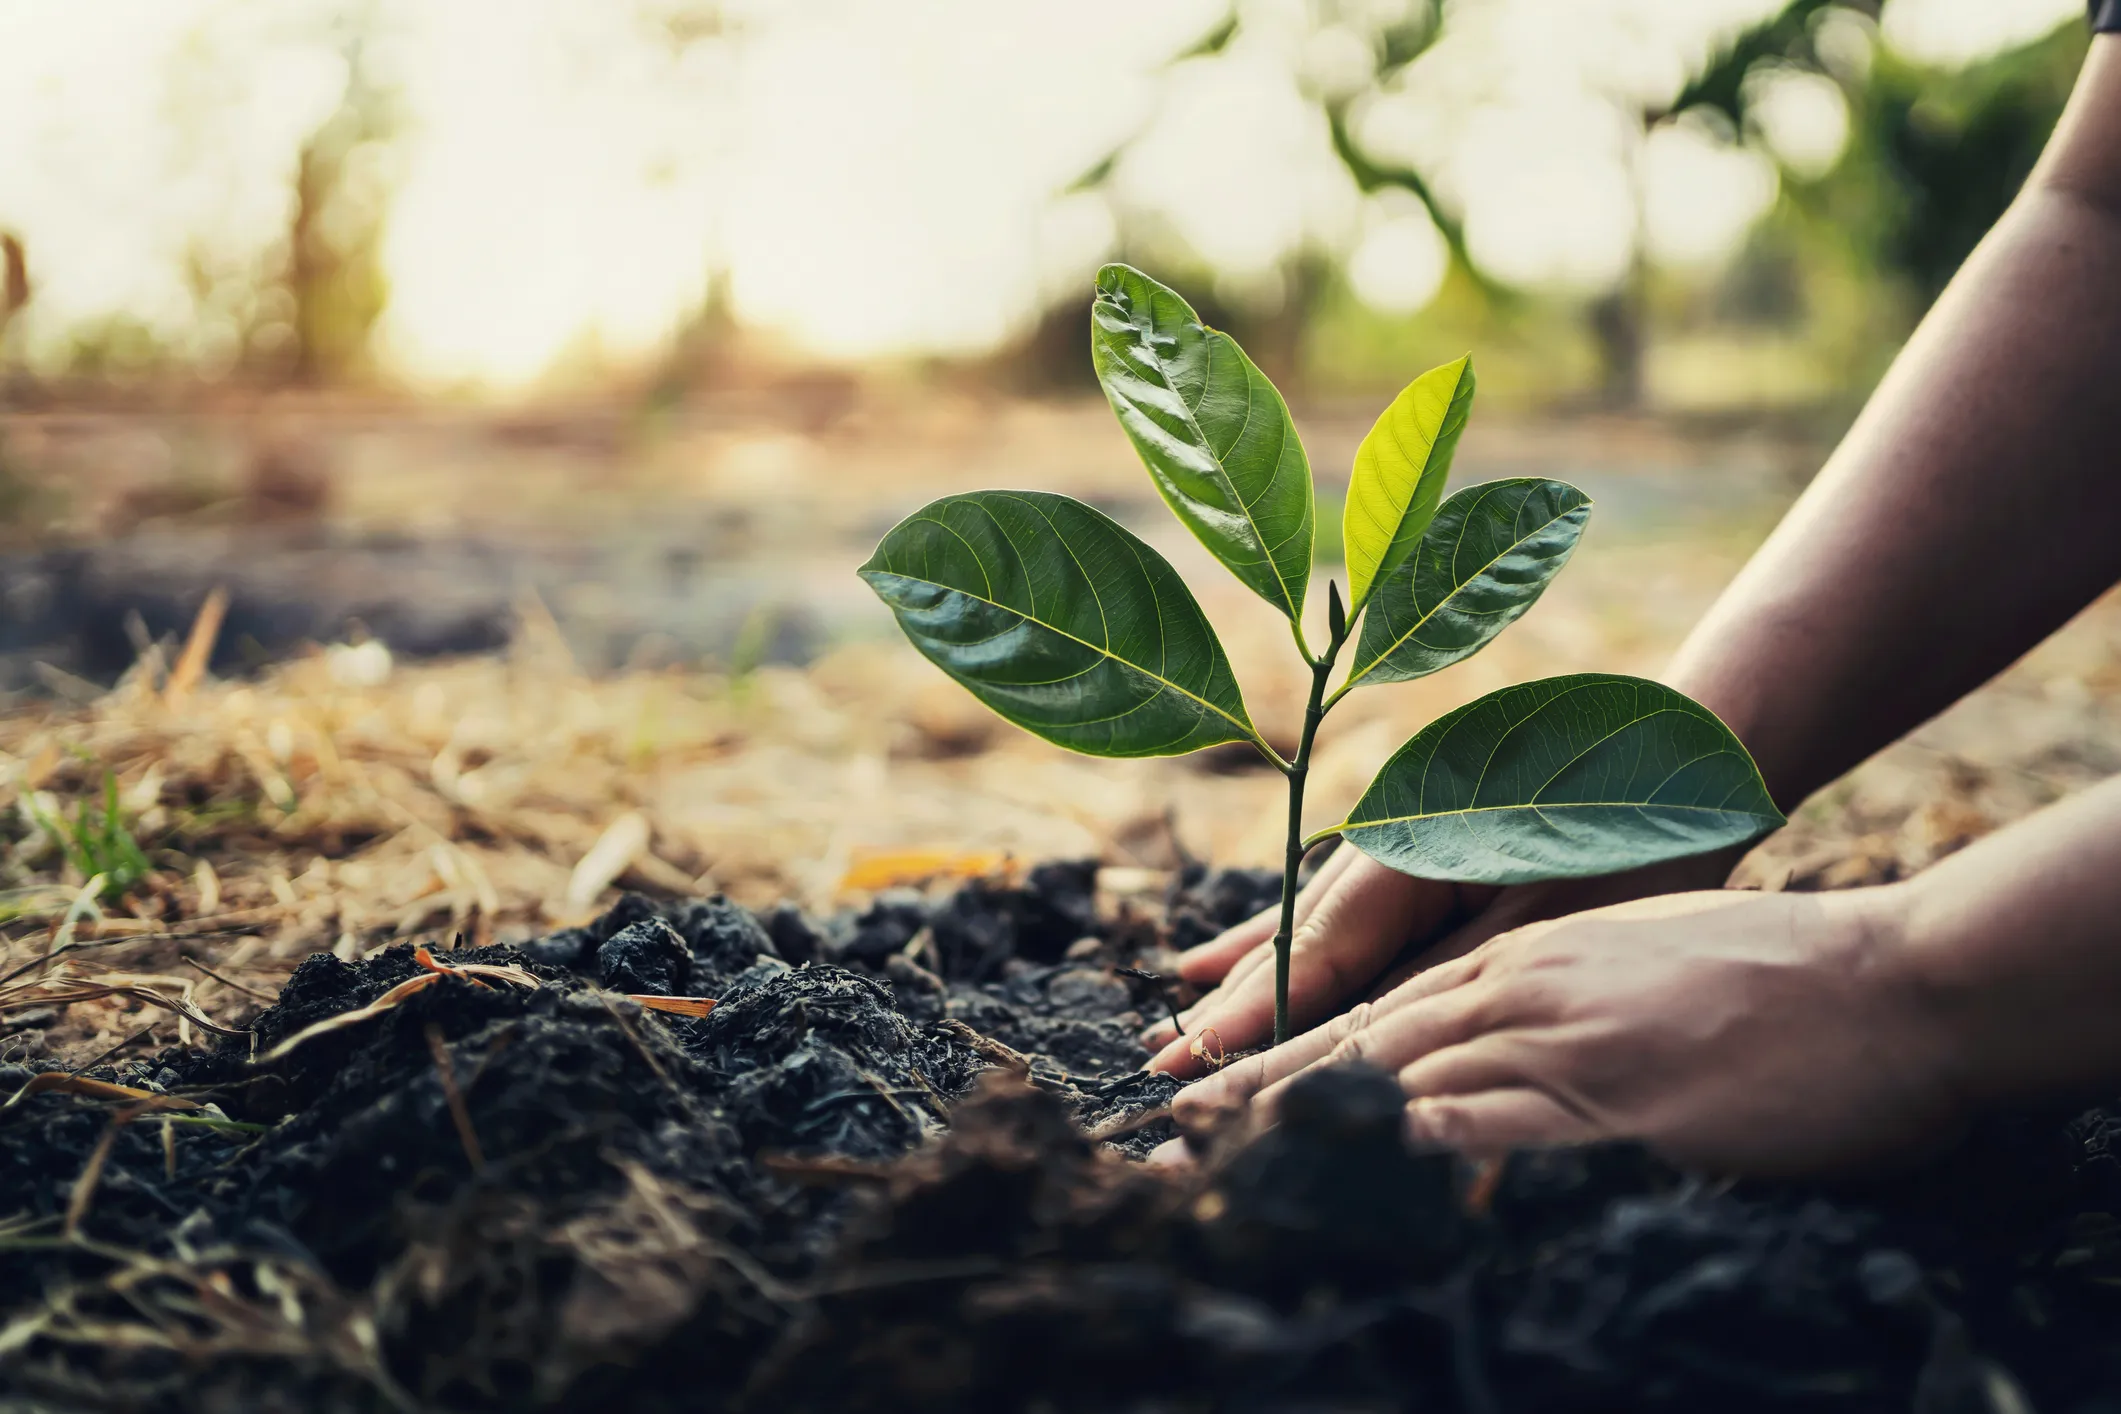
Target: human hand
{"points": [[1361, 929], [1740, 1032], [1352, 920]]}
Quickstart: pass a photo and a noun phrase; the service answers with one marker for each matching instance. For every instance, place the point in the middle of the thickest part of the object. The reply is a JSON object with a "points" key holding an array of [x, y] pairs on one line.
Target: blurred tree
{"points": [[333, 252], [1862, 242], [1933, 156], [14, 278]]}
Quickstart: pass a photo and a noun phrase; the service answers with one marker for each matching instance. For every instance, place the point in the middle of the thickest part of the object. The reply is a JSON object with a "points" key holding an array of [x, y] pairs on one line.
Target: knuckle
{"points": [[1349, 1024], [1310, 935], [1349, 1049], [1525, 998], [1439, 1121]]}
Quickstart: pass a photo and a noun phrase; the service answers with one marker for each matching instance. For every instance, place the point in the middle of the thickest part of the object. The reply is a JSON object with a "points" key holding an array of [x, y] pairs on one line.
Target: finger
{"points": [[1492, 1123], [1393, 1040], [1164, 1032], [1432, 981], [1212, 961], [1455, 944], [1353, 933], [1236, 1083], [1171, 1154], [1492, 1062], [1513, 908], [1201, 964]]}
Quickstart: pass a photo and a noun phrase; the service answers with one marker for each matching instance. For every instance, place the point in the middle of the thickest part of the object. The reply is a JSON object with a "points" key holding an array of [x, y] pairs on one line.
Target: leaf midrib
{"points": [[1367, 668], [1210, 336], [1535, 806], [1248, 729]]}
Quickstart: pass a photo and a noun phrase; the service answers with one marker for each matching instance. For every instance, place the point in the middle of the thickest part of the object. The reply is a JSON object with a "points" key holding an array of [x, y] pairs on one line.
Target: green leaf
{"points": [[1560, 778], [1483, 561], [1062, 622], [1400, 469], [1212, 430]]}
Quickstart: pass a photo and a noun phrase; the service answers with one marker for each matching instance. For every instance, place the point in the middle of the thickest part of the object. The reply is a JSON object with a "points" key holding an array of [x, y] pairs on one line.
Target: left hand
{"points": [[1738, 1032]]}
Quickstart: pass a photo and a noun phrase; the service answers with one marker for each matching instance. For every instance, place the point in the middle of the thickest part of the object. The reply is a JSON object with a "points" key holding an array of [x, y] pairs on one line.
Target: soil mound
{"points": [[890, 1169]]}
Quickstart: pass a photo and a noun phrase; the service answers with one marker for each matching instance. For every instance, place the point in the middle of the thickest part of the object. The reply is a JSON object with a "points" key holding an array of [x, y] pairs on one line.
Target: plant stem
{"points": [[1314, 713]]}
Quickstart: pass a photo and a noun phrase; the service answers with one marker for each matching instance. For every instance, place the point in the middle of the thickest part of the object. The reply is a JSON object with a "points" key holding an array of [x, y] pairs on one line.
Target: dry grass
{"points": [[341, 803]]}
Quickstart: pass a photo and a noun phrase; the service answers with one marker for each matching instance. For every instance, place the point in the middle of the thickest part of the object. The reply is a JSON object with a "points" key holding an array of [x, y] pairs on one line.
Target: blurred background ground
{"points": [[524, 384]]}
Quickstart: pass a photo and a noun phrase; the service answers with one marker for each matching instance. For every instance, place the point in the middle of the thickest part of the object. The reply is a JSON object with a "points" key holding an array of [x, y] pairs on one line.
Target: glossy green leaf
{"points": [[1484, 560], [1062, 622], [1212, 430], [1400, 470], [1564, 777]]}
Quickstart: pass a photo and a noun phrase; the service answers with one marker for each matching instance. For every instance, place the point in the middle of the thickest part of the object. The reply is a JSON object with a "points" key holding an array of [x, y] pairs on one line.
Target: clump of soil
{"points": [[891, 1169]]}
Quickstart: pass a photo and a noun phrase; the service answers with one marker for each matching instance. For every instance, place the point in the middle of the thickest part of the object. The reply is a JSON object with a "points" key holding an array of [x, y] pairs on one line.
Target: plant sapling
{"points": [[1068, 625]]}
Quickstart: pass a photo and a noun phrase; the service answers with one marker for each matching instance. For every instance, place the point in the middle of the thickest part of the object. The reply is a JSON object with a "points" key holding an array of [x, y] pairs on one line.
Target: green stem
{"points": [[1314, 713]]}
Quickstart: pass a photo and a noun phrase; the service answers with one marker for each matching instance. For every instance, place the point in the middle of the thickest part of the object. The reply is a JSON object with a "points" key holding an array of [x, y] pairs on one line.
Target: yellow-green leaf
{"points": [[1213, 432], [1399, 474]]}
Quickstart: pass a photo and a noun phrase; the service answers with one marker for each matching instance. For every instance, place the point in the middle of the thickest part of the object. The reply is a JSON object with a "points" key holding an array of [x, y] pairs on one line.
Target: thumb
{"points": [[1358, 926], [1211, 961]]}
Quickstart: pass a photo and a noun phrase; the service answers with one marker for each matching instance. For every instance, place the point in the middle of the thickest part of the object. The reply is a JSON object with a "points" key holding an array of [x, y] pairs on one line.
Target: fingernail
{"points": [[1424, 1121], [1169, 1057], [1172, 1153], [1163, 1033]]}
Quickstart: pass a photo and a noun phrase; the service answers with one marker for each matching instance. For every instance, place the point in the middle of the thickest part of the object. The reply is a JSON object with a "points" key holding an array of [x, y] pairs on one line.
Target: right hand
{"points": [[1361, 929]]}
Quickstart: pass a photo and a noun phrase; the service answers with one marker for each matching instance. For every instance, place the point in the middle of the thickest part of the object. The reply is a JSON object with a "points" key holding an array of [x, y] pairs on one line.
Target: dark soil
{"points": [[891, 1170]]}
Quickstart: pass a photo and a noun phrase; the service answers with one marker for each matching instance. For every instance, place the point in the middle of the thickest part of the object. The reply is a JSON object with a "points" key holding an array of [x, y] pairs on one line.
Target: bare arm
{"points": [[2012, 948], [1972, 509], [1764, 1033], [1974, 506]]}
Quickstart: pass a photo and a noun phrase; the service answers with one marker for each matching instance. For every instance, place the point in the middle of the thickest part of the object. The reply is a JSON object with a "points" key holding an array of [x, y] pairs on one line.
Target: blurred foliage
{"points": [[305, 306], [1935, 157], [1851, 258], [334, 270], [1846, 262], [97, 842], [1838, 272]]}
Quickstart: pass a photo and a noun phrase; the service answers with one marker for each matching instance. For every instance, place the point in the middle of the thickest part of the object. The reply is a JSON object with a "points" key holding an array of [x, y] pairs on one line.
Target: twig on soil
{"points": [[64, 993], [986, 1046], [310, 1318], [1163, 991], [198, 648], [459, 1115], [476, 972], [141, 1034], [60, 1082], [92, 1172], [825, 1169], [645, 1054], [387, 1002], [219, 1124], [252, 992], [83, 905], [1487, 1175], [905, 1274], [175, 934], [1119, 1126], [473, 972], [677, 1006]]}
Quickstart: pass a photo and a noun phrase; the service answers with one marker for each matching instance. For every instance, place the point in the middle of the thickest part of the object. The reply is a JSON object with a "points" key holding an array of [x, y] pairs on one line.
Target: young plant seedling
{"points": [[1070, 626]]}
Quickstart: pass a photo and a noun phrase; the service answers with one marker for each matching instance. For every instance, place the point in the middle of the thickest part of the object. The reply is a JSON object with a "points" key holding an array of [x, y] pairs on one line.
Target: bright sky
{"points": [[873, 176]]}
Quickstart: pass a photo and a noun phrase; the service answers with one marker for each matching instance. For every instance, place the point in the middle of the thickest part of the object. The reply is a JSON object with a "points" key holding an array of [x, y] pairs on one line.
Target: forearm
{"points": [[1971, 510], [2013, 946]]}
